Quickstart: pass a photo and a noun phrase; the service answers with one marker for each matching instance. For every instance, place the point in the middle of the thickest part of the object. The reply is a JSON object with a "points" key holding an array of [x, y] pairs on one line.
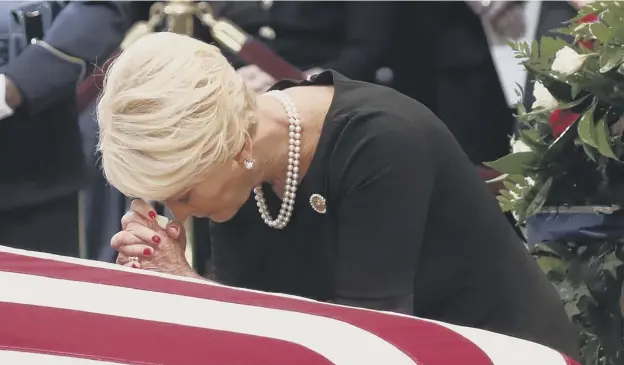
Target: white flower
{"points": [[567, 61], [518, 145], [543, 97]]}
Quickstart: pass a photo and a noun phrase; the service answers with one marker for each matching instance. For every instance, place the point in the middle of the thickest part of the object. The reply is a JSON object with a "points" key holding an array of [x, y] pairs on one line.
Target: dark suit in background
{"points": [[441, 57], [41, 156], [348, 36]]}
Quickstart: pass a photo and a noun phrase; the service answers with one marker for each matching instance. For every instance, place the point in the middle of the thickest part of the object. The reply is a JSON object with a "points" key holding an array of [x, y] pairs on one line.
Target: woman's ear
{"points": [[246, 154]]}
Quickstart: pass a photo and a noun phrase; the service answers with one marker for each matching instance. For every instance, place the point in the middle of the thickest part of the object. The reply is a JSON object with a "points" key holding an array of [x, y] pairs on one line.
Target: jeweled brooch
{"points": [[318, 203]]}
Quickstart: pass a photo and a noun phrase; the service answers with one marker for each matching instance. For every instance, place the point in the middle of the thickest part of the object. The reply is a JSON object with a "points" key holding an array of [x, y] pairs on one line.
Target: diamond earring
{"points": [[249, 164]]}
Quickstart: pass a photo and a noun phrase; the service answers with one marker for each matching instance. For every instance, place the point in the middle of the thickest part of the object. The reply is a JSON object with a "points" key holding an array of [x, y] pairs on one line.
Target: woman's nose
{"points": [[180, 211]]}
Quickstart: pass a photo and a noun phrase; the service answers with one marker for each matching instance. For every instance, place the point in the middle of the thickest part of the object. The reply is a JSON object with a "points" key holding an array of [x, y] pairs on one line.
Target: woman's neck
{"points": [[271, 139]]}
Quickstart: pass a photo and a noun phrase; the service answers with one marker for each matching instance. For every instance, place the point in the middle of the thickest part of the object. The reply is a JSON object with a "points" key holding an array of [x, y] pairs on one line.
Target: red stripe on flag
{"points": [[427, 343], [132, 341]]}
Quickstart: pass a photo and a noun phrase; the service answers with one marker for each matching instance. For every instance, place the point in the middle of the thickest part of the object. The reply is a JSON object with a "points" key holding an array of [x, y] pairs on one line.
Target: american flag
{"points": [[63, 311]]}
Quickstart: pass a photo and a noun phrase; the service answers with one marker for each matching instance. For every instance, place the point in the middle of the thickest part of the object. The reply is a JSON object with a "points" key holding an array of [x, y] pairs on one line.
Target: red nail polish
{"points": [[156, 239], [135, 266], [152, 214], [147, 252]]}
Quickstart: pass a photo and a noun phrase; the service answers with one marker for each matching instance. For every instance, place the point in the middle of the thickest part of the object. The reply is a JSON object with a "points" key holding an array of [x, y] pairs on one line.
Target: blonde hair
{"points": [[171, 108]]}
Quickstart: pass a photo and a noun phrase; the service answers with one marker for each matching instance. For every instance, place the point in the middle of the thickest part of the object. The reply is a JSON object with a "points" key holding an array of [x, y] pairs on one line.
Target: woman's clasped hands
{"points": [[143, 243]]}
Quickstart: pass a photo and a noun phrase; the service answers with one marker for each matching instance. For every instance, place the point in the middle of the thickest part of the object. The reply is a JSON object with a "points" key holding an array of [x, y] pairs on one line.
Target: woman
{"points": [[379, 207]]}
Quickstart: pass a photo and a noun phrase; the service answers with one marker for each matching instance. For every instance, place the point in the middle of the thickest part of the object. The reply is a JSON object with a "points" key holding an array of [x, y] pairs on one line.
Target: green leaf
{"points": [[600, 31], [512, 187], [565, 31], [505, 204], [518, 179], [532, 138], [549, 263], [549, 47], [575, 89], [586, 127], [531, 134], [514, 163], [617, 33], [611, 58], [573, 103], [540, 199], [507, 194], [602, 139], [611, 264]]}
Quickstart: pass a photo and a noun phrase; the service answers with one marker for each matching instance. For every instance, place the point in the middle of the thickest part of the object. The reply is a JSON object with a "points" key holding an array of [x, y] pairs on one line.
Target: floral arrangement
{"points": [[564, 179], [568, 146]]}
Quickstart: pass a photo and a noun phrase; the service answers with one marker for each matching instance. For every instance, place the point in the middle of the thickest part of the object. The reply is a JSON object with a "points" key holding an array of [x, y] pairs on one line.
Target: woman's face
{"points": [[219, 196]]}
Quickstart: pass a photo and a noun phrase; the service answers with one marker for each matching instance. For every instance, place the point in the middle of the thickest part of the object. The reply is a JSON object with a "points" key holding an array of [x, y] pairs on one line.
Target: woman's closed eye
{"points": [[184, 199]]}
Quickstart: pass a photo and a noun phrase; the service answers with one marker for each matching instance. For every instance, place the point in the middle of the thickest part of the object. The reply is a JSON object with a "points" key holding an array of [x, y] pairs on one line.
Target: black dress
{"points": [[409, 227]]}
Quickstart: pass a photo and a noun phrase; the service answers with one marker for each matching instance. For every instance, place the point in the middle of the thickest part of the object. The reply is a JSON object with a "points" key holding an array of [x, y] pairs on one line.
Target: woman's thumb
{"points": [[174, 230]]}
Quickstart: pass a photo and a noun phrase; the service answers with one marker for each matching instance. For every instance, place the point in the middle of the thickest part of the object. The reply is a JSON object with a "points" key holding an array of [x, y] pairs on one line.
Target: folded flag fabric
{"points": [[63, 311]]}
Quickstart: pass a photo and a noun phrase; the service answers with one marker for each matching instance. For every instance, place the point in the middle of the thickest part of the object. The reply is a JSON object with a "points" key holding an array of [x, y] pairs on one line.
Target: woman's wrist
{"points": [[188, 272]]}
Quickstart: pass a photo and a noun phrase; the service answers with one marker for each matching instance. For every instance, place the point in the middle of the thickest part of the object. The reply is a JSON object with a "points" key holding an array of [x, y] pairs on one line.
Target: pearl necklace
{"points": [[292, 174]]}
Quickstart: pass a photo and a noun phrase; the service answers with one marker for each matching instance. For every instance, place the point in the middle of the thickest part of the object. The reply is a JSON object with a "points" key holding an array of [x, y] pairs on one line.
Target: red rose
{"points": [[590, 18], [589, 44], [560, 120]]}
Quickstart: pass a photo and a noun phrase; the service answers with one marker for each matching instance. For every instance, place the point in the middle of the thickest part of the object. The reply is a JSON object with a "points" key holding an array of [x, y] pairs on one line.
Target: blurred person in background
{"points": [[443, 46], [350, 37], [442, 58], [41, 156]]}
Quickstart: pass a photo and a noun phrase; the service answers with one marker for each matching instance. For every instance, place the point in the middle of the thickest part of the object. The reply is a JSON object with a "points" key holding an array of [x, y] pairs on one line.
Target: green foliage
{"points": [[588, 277], [576, 121]]}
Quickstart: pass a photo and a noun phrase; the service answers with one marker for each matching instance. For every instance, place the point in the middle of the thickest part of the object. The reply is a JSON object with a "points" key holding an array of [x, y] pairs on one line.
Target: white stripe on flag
{"points": [[339, 342], [29, 358], [503, 349], [506, 350]]}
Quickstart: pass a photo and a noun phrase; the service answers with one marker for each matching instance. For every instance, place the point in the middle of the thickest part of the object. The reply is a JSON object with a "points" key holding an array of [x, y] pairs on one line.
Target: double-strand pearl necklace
{"points": [[292, 173]]}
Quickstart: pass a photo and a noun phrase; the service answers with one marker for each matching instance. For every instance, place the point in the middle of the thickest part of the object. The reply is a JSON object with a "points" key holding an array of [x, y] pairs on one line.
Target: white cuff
{"points": [[5, 110]]}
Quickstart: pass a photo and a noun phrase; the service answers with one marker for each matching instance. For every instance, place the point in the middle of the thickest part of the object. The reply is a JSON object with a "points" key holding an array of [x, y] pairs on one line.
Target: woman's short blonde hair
{"points": [[171, 108]]}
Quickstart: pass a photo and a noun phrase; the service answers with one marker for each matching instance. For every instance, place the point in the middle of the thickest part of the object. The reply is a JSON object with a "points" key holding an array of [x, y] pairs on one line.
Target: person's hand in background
{"points": [[509, 22], [13, 96], [505, 17], [258, 80], [10, 97]]}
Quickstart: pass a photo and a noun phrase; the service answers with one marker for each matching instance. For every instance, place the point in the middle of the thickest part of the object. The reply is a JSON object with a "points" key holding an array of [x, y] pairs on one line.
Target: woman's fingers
{"points": [[132, 264], [139, 250], [145, 234], [132, 217], [143, 208], [125, 261], [129, 245]]}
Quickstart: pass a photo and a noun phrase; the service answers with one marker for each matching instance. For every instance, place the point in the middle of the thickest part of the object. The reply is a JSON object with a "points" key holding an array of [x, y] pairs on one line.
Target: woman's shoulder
{"points": [[380, 116], [380, 109]]}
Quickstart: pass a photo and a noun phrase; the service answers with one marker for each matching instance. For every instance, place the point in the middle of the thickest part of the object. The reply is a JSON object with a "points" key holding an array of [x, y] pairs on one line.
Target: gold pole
{"points": [[82, 232]]}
